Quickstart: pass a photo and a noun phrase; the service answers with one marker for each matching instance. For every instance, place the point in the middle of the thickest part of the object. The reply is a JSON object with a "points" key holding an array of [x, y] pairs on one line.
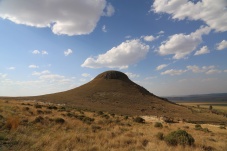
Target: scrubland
{"points": [[30, 125]]}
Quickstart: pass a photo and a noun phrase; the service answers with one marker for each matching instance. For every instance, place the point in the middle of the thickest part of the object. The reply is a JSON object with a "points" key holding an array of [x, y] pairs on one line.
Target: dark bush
{"points": [[100, 113], [158, 124], [95, 128], [160, 136], [179, 137], [139, 120], [52, 107], [59, 120], [39, 119], [40, 112], [37, 106]]}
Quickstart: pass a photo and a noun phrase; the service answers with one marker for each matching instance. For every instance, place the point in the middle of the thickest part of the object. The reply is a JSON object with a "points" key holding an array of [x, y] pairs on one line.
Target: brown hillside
{"points": [[114, 92]]}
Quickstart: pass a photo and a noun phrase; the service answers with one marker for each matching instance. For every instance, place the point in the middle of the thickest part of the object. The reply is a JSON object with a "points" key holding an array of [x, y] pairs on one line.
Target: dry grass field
{"points": [[29, 125], [217, 106]]}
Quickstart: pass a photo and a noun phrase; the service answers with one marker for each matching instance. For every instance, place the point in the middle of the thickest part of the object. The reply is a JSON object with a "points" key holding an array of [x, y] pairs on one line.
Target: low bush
{"points": [[95, 128], [139, 120], [59, 120], [179, 137], [158, 124], [37, 106], [160, 136], [12, 123], [38, 119]]}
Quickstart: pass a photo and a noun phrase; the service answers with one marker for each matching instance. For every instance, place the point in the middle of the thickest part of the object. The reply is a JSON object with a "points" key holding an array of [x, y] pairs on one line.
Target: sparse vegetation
{"points": [[139, 120], [59, 120], [158, 124], [179, 137], [72, 130], [160, 136]]}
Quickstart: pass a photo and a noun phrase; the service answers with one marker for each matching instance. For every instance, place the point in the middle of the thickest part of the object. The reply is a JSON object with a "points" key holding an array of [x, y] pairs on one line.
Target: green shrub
{"points": [[222, 127], [139, 120], [158, 124], [198, 127], [95, 128], [100, 113], [160, 136], [179, 137], [39, 119], [59, 120], [37, 106]]}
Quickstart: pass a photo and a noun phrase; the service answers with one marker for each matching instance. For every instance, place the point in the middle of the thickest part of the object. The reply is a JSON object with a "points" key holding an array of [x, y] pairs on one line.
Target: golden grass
{"points": [[215, 106], [112, 133]]}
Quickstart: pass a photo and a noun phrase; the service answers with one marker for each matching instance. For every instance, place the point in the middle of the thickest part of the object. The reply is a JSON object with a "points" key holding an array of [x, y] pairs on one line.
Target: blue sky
{"points": [[170, 47]]}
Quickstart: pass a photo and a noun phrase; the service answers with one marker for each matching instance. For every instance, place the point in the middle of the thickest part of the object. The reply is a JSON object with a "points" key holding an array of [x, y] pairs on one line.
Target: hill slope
{"points": [[114, 92]]}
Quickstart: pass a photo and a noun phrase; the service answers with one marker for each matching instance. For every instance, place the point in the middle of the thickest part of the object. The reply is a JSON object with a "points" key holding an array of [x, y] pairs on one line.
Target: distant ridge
{"points": [[213, 97]]}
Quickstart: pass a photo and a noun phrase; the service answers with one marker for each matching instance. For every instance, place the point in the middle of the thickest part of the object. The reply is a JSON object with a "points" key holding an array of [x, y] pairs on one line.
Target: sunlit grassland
{"points": [[26, 125]]}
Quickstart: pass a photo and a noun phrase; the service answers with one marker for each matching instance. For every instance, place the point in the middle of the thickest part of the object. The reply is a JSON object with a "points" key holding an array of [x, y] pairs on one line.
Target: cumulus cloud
{"points": [[132, 75], [109, 10], [213, 71], [43, 52], [205, 69], [213, 13], [62, 17], [33, 66], [68, 52], [173, 72], [11, 68], [181, 45], [40, 73], [127, 53], [148, 38], [104, 28], [160, 67], [86, 75], [222, 45], [36, 52], [3, 75], [203, 50], [161, 32]]}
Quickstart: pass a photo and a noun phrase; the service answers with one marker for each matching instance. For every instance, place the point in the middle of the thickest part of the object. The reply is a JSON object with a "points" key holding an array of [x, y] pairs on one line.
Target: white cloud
{"points": [[205, 69], [203, 50], [127, 53], [161, 32], [52, 77], [68, 52], [11, 68], [104, 28], [33, 66], [222, 45], [160, 67], [3, 75], [148, 38], [43, 52], [213, 13], [128, 36], [181, 45], [62, 17], [86, 75], [109, 10], [173, 72], [151, 77], [40, 73], [36, 52], [213, 71], [132, 75]]}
